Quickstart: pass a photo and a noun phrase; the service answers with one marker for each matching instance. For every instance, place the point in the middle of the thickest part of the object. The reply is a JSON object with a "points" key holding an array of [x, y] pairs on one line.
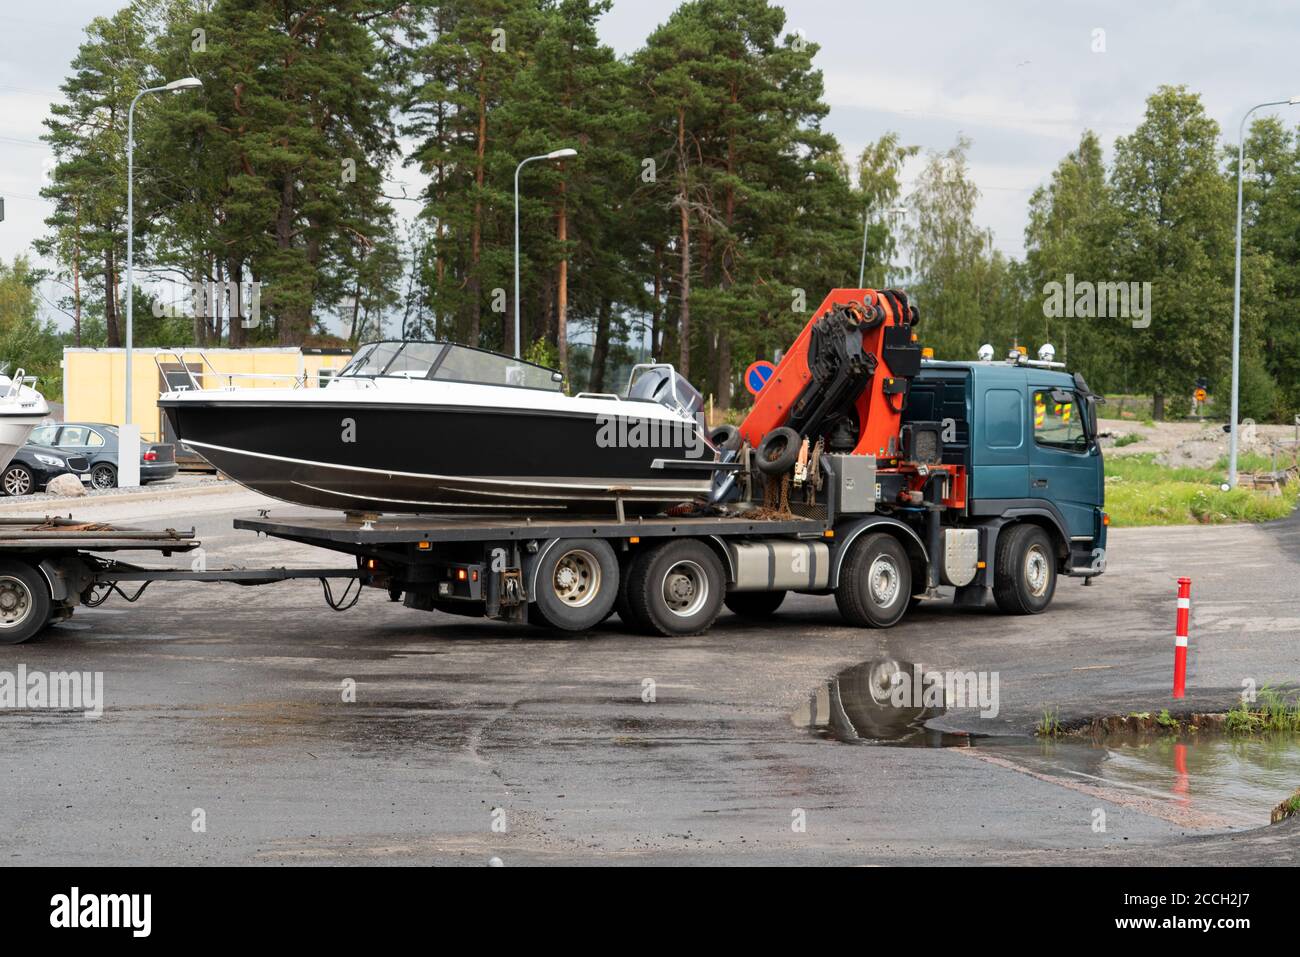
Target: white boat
{"points": [[431, 426], [22, 409]]}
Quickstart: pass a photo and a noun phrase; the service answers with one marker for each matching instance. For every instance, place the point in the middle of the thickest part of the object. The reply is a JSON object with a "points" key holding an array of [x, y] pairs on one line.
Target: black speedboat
{"points": [[430, 426]]}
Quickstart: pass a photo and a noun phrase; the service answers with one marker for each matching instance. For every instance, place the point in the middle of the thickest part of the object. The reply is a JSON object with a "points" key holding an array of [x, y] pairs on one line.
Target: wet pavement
{"points": [[467, 740]]}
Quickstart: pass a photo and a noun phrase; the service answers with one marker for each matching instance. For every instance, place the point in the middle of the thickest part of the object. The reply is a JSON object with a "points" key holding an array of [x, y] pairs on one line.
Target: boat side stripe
{"points": [[612, 488]]}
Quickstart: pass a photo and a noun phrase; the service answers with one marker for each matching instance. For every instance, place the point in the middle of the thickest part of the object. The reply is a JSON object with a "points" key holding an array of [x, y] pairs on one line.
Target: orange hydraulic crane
{"points": [[844, 382]]}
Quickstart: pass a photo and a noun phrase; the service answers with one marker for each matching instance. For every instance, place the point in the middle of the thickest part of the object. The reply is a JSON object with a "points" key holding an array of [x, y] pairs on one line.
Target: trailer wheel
{"points": [[676, 588], [754, 604], [875, 583], [1024, 573], [25, 605], [577, 583]]}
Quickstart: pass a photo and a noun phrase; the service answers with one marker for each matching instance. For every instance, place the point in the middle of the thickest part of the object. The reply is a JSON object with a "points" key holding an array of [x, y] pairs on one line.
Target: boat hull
{"points": [[14, 430], [391, 457]]}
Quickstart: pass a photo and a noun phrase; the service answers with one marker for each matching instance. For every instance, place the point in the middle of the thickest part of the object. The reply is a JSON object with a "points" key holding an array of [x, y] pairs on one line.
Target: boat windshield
{"points": [[451, 363], [463, 364]]}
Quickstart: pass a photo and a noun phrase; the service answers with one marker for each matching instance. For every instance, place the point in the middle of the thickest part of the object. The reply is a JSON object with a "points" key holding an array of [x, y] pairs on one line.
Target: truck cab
{"points": [[1028, 438]]}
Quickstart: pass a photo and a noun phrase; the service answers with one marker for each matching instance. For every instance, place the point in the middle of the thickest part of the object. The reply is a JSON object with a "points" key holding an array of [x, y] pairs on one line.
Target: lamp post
{"points": [[553, 155], [1236, 287], [866, 223], [176, 86]]}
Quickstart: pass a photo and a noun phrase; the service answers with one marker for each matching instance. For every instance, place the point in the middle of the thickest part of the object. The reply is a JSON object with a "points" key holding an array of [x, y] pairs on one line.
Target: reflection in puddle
{"points": [[860, 704], [1237, 778], [1212, 782]]}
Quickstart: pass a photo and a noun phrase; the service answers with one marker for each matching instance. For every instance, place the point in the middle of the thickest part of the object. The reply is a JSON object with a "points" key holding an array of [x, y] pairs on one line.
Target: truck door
{"points": [[1064, 462]]}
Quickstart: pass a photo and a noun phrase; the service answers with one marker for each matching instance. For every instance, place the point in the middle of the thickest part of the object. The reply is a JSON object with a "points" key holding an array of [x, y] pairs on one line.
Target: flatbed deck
{"points": [[394, 529], [60, 534]]}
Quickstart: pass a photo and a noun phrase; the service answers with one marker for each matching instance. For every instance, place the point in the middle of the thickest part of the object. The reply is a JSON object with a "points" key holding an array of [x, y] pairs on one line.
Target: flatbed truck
{"points": [[862, 472]]}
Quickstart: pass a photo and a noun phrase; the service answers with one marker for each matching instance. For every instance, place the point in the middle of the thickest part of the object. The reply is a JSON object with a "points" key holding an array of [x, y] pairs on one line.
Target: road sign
{"points": [[1200, 395], [757, 374]]}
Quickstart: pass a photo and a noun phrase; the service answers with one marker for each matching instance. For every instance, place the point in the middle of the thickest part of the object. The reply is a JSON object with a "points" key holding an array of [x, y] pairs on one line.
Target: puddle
{"points": [[1207, 782], [858, 706]]}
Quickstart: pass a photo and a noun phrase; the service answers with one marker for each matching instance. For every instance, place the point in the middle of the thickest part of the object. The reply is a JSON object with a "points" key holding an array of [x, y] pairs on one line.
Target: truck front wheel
{"points": [[1024, 573], [25, 605], [875, 582]]}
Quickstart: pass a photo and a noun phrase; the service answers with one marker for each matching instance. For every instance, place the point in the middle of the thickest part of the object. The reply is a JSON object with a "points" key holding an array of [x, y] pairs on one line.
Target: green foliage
{"points": [[1049, 725], [25, 342], [1141, 492], [1271, 713]]}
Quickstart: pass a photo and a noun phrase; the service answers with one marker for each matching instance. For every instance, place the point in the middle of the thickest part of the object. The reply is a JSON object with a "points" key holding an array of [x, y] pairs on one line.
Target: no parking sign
{"points": [[757, 374]]}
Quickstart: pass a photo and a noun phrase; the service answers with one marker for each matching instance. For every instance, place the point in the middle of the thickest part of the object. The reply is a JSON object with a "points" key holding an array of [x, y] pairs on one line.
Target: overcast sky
{"points": [[1020, 79]]}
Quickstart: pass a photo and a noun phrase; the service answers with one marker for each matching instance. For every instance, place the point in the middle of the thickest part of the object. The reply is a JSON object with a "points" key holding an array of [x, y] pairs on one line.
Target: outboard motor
{"points": [[662, 383]]}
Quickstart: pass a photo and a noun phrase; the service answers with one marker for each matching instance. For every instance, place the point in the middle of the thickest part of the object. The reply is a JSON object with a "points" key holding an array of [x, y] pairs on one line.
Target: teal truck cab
{"points": [[1026, 434]]}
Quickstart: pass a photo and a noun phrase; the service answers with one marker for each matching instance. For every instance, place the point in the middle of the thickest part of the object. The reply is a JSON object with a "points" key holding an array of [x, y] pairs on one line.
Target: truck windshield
{"points": [[1059, 421]]}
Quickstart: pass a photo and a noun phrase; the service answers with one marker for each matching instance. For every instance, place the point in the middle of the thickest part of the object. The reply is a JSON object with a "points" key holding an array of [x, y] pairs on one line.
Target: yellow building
{"points": [[94, 380]]}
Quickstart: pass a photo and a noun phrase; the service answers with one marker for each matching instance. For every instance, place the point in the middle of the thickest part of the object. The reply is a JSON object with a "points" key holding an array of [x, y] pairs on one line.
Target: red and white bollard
{"points": [[1180, 636]]}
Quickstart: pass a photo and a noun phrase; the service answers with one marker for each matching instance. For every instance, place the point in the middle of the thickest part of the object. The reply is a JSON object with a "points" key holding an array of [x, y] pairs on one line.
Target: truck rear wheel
{"points": [[25, 605], [676, 588], [754, 604], [1024, 573], [875, 583], [577, 581]]}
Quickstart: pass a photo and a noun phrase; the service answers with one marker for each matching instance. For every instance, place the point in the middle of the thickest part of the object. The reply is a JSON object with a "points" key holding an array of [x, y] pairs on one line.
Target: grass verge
{"points": [[1141, 492]]}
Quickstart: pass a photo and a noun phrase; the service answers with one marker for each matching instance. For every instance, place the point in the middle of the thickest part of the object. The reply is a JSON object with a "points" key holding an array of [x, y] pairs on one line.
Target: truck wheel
{"points": [[25, 605], [875, 583], [1024, 573], [621, 604], [753, 604], [576, 584], [676, 588]]}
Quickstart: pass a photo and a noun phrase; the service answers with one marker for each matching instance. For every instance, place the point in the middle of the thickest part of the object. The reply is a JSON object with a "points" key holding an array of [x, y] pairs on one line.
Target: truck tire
{"points": [[754, 604], [621, 604], [676, 588], [577, 582], [875, 586], [778, 451], [726, 437], [1024, 570], [25, 605]]}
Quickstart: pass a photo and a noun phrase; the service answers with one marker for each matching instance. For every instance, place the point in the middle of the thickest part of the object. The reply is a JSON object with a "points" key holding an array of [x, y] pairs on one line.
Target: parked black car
{"points": [[98, 443], [34, 466]]}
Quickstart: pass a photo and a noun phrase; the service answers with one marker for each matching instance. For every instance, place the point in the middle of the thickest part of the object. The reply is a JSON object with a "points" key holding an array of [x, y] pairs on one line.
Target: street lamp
{"points": [[866, 222], [175, 86], [1236, 287], [553, 155]]}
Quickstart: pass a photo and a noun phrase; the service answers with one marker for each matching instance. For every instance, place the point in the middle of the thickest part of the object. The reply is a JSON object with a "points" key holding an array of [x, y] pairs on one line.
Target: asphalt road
{"points": [[470, 740]]}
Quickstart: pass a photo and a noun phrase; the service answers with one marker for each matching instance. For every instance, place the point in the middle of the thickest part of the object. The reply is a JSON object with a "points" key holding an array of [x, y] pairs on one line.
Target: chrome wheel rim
{"points": [[15, 602], [1038, 571], [883, 580], [103, 478], [577, 578], [17, 482], [685, 588]]}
